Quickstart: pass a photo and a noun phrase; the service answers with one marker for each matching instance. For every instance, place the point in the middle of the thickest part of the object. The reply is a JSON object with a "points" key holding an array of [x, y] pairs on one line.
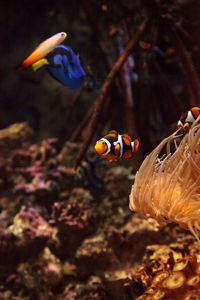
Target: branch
{"points": [[189, 70], [104, 90], [81, 126], [93, 24], [74, 101], [127, 92]]}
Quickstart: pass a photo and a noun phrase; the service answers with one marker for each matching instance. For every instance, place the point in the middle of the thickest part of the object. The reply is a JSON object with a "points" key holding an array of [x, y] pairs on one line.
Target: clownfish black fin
{"points": [[127, 139], [112, 133]]}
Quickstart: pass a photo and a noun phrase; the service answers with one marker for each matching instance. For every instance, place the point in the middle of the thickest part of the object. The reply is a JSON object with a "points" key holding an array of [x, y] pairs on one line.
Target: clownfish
{"points": [[115, 145], [42, 50], [187, 118]]}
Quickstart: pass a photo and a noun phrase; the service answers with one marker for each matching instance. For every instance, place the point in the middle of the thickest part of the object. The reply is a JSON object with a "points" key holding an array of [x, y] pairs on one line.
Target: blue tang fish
{"points": [[64, 65]]}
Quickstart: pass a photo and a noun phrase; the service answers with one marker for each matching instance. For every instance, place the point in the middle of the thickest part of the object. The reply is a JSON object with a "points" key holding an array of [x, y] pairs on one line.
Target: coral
{"points": [[13, 137], [95, 252], [44, 272], [25, 238], [74, 219], [172, 275], [61, 241], [92, 290], [31, 174], [16, 135], [136, 230], [113, 178], [113, 208], [68, 153], [37, 168], [167, 184], [29, 225]]}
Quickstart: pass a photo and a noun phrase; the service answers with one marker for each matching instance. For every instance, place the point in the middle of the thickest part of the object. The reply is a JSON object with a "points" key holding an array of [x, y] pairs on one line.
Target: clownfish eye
{"points": [[62, 34]]}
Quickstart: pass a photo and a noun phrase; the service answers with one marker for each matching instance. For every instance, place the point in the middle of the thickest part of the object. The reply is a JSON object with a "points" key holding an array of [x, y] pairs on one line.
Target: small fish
{"points": [[63, 65], [115, 145], [187, 118], [86, 174], [42, 50]]}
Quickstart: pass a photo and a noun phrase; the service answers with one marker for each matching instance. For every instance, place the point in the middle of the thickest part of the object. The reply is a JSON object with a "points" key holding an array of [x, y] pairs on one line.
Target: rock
{"points": [[13, 137], [74, 219], [24, 239], [94, 256]]}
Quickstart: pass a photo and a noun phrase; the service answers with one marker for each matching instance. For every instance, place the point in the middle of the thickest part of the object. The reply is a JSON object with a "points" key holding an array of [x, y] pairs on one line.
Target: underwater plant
{"points": [[167, 184]]}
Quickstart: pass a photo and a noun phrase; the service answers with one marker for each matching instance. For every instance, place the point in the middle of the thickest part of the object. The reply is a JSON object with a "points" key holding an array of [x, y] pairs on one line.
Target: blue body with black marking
{"points": [[65, 66]]}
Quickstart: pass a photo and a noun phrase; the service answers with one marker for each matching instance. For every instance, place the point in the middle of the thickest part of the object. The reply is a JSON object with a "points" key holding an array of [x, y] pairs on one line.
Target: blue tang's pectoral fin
{"points": [[61, 63], [40, 64], [74, 72], [74, 68]]}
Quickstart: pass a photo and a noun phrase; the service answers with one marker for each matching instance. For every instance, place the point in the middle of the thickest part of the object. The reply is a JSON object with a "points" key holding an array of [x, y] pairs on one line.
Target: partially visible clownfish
{"points": [[187, 118], [60, 61], [115, 145]]}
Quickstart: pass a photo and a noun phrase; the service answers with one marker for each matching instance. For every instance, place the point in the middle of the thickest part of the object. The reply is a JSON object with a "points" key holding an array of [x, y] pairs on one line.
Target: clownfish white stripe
{"points": [[133, 146], [120, 142], [121, 145], [108, 145], [190, 117], [187, 118], [180, 124]]}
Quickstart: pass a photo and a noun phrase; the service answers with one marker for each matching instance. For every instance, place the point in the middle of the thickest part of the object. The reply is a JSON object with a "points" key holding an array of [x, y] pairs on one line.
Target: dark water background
{"points": [[68, 238], [161, 85]]}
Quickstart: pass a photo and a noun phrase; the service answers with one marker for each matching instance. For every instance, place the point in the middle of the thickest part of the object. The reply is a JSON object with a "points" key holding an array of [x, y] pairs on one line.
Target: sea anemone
{"points": [[167, 185]]}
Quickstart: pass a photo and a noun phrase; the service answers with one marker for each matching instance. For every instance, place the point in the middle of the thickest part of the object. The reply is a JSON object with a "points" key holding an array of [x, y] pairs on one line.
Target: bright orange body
{"points": [[115, 145], [42, 50]]}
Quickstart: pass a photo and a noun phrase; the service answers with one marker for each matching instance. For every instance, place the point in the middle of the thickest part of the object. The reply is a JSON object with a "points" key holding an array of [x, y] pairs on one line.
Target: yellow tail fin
{"points": [[39, 64]]}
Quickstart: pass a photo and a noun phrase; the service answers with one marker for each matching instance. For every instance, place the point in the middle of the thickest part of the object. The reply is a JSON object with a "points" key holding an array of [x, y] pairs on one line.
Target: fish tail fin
{"points": [[135, 145], [40, 64]]}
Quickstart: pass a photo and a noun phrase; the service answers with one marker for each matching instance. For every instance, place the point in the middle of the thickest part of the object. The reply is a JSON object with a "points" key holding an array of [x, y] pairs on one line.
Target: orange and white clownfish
{"points": [[187, 118], [115, 145], [42, 50]]}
